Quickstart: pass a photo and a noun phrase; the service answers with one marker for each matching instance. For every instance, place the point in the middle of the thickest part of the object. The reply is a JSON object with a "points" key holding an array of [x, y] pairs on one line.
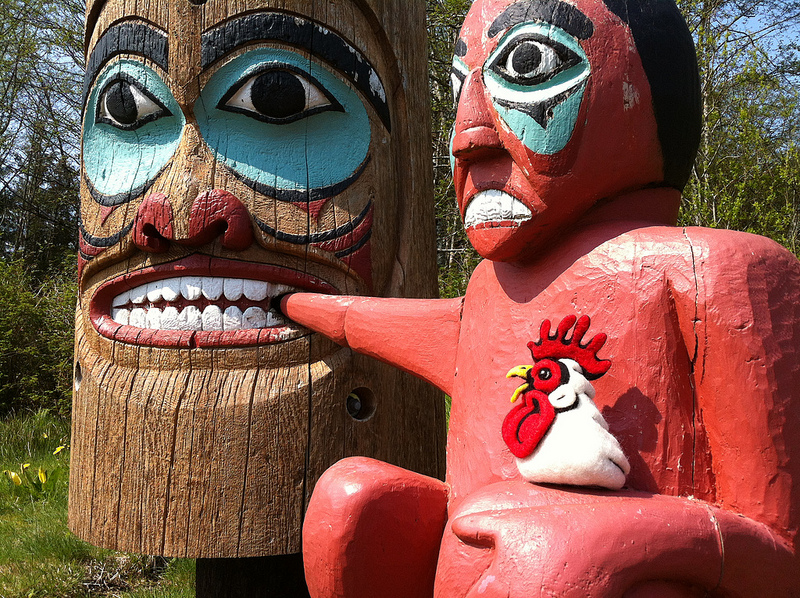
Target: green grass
{"points": [[39, 558]]}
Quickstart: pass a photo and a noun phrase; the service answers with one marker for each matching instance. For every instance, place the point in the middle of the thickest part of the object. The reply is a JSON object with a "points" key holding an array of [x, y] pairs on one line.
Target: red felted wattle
{"points": [[527, 423]]}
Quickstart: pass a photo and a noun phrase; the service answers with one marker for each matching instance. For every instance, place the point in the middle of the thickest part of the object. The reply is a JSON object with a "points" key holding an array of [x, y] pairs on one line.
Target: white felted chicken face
{"points": [[556, 432]]}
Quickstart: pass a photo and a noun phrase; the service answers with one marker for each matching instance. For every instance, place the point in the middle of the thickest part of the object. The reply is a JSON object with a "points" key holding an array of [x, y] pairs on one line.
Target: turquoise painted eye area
{"points": [[536, 78], [279, 96], [126, 105], [131, 128], [285, 125], [533, 59]]}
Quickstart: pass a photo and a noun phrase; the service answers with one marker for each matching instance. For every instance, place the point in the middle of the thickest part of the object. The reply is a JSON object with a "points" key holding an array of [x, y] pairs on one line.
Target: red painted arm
{"points": [[419, 336], [513, 540], [740, 319], [373, 530]]}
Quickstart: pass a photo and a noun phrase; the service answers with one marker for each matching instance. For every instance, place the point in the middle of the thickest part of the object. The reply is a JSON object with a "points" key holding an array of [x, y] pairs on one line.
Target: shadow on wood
{"points": [[260, 577]]}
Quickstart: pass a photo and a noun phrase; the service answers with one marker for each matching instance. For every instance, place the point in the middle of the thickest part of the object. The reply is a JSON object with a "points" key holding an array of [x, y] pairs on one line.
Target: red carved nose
{"points": [[216, 213], [213, 214], [475, 126]]}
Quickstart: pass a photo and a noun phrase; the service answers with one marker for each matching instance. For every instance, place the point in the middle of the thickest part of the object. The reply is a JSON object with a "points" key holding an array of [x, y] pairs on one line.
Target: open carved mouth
{"points": [[495, 208], [200, 301]]}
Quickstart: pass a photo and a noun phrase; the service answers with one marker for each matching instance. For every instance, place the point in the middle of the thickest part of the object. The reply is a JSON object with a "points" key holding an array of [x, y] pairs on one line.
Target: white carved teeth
{"points": [[212, 318], [212, 287], [138, 318], [191, 318], [254, 317], [495, 206], [232, 318], [148, 305], [191, 287], [121, 299], [233, 288], [255, 290]]}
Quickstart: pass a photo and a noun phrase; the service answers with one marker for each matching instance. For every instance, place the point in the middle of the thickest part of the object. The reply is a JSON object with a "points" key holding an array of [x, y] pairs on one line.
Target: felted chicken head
{"points": [[555, 431], [563, 104]]}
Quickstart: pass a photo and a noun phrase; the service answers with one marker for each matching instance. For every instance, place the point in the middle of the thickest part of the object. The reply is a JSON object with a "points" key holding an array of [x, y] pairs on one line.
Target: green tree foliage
{"points": [[456, 257], [746, 173], [40, 78], [36, 331], [41, 65]]}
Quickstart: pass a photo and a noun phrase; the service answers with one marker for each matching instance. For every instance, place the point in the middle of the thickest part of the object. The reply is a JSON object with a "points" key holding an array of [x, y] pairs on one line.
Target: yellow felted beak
{"points": [[521, 371]]}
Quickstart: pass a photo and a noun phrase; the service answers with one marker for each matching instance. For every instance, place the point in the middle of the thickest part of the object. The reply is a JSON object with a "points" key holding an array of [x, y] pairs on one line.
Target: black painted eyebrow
{"points": [[556, 12], [296, 31], [126, 38]]}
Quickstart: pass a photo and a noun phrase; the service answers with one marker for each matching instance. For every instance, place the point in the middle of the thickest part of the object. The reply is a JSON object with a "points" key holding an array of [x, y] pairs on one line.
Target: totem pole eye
{"points": [[279, 95], [533, 59], [124, 104]]}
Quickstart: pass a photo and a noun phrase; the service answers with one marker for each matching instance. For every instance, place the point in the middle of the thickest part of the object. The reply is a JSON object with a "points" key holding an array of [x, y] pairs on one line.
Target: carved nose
{"points": [[475, 130], [216, 213], [213, 214], [152, 228]]}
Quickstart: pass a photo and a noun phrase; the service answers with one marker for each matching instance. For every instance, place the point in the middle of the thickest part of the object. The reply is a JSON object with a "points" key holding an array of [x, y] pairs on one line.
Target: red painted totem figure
{"points": [[576, 128]]}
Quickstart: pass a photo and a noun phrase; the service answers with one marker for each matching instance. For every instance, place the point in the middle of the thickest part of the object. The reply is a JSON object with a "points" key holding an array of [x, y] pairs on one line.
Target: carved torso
{"points": [[679, 306]]}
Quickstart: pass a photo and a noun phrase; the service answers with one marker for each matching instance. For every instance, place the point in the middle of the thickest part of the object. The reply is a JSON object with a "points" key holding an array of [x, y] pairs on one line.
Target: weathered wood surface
{"points": [[195, 444]]}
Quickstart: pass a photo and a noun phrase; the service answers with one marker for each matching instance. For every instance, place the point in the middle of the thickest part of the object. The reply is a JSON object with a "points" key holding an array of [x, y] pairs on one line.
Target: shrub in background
{"points": [[36, 338]]}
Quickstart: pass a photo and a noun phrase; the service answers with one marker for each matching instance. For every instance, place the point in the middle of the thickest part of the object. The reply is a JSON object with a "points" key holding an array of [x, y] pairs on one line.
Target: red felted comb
{"points": [[558, 346]]}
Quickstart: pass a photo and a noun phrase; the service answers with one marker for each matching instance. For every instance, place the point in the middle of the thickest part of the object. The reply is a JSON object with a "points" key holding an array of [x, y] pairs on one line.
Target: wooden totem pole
{"points": [[234, 151]]}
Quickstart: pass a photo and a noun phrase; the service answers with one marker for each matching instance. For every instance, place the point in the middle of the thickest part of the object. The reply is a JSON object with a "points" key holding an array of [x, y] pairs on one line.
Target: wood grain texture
{"points": [[196, 450]]}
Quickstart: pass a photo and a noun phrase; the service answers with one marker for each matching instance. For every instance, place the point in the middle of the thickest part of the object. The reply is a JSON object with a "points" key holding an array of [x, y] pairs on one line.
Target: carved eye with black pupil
{"points": [[533, 59], [279, 95], [120, 103], [127, 106]]}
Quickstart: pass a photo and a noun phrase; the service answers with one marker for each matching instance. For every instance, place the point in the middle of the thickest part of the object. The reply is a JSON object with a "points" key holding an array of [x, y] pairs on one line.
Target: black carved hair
{"points": [[670, 64]]}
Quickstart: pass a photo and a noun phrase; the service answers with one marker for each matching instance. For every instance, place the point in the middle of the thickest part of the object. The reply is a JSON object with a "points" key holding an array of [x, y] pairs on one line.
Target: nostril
{"points": [[149, 230], [152, 230]]}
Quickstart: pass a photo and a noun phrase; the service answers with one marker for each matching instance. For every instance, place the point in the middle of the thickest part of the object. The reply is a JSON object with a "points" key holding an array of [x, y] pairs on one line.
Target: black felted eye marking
{"points": [[544, 374], [533, 59], [279, 94], [125, 104]]}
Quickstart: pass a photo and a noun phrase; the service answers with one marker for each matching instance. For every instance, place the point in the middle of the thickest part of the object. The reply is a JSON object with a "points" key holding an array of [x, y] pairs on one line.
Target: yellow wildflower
{"points": [[59, 449], [42, 476], [15, 478]]}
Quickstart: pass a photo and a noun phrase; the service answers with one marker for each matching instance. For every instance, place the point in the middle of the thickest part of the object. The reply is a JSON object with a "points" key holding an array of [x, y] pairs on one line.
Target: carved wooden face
{"points": [[554, 114], [219, 176], [233, 152]]}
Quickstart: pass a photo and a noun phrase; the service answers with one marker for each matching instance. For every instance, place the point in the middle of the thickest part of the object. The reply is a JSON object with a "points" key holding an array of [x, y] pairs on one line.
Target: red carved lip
{"points": [[193, 303]]}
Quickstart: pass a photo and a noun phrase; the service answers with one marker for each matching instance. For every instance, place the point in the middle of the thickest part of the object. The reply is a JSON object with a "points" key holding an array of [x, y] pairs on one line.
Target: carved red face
{"points": [[554, 114]]}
